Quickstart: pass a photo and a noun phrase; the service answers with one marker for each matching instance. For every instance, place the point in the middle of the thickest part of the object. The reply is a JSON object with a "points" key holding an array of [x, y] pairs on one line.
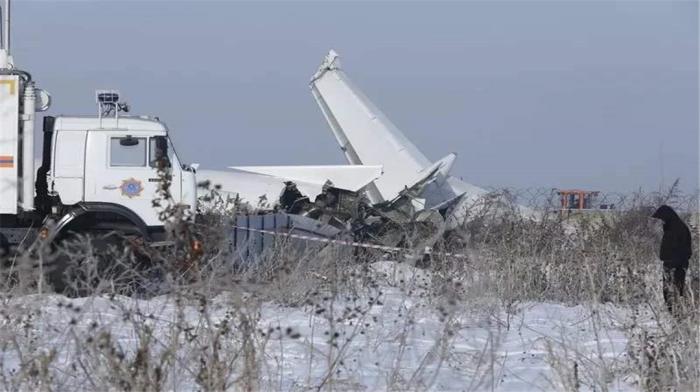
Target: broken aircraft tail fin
{"points": [[364, 133]]}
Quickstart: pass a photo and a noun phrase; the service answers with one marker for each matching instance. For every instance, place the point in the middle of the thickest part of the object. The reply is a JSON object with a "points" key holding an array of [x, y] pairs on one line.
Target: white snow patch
{"points": [[401, 339]]}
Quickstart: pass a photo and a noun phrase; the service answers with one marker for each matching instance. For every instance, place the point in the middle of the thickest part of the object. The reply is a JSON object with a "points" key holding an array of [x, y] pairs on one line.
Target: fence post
{"points": [[262, 235], [247, 236], [235, 233]]}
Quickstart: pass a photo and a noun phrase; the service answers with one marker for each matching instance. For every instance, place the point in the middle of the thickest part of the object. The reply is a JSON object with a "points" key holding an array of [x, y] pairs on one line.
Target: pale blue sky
{"points": [[596, 95]]}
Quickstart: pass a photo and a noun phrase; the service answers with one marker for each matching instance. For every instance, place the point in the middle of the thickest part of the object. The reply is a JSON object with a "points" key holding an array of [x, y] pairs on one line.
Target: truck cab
{"points": [[119, 161], [107, 175], [98, 173]]}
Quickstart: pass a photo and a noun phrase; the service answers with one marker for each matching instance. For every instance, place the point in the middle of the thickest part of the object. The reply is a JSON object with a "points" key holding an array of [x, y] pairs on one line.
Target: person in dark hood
{"points": [[290, 194], [676, 249]]}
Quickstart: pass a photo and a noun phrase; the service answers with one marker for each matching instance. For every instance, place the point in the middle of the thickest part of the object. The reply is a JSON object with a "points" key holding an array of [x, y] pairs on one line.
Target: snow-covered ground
{"points": [[394, 336]]}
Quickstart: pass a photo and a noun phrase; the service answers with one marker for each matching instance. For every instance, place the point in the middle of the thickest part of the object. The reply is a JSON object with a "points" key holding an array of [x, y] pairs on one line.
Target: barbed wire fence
{"points": [[548, 199]]}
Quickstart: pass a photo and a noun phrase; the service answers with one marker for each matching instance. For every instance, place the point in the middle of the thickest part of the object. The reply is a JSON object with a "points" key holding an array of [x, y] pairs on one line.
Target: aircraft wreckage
{"points": [[388, 185]]}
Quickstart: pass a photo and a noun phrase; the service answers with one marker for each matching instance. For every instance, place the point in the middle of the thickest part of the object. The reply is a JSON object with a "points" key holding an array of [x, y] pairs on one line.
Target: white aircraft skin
{"points": [[348, 177], [251, 183], [383, 162], [368, 137]]}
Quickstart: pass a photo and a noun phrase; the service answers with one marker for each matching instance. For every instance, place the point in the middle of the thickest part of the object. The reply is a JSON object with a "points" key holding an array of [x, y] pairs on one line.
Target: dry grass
{"points": [[594, 260]]}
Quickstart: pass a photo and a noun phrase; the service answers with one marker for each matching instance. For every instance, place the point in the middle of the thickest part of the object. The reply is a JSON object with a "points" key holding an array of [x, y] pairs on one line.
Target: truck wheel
{"points": [[4, 246], [85, 264]]}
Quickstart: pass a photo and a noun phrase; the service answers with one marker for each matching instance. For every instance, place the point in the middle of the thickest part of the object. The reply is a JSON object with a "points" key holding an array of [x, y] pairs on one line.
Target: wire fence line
{"points": [[550, 199]]}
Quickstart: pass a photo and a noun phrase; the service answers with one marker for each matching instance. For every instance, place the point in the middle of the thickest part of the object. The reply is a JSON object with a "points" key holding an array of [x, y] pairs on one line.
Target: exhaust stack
{"points": [[27, 181], [5, 58]]}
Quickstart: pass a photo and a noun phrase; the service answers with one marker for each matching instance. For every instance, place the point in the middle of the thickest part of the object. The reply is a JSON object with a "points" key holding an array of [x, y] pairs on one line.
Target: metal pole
{"points": [[2, 27], [28, 147], [262, 235], [6, 26]]}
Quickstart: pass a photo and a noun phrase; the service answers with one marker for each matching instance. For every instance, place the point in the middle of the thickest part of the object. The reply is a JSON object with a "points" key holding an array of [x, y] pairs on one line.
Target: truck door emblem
{"points": [[131, 188]]}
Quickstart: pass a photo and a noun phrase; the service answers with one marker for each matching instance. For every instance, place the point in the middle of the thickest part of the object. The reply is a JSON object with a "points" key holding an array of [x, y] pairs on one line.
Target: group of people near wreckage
{"points": [[675, 252], [291, 200]]}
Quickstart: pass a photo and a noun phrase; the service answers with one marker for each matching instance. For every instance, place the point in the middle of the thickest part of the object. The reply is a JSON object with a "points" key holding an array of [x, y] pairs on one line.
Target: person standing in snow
{"points": [[676, 249]]}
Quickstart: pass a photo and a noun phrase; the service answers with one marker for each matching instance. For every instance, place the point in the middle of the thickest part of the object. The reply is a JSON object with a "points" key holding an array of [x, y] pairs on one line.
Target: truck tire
{"points": [[97, 261], [4, 246]]}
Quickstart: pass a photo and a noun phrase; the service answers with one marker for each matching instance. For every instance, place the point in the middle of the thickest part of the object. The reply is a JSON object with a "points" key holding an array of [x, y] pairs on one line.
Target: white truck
{"points": [[96, 172]]}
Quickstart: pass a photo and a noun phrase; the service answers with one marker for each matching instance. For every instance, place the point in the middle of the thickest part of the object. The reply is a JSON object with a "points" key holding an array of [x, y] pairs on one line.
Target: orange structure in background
{"points": [[576, 199]]}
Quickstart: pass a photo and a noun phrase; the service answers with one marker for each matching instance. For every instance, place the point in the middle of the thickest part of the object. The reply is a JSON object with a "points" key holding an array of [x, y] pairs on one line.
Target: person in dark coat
{"points": [[676, 249], [290, 194]]}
